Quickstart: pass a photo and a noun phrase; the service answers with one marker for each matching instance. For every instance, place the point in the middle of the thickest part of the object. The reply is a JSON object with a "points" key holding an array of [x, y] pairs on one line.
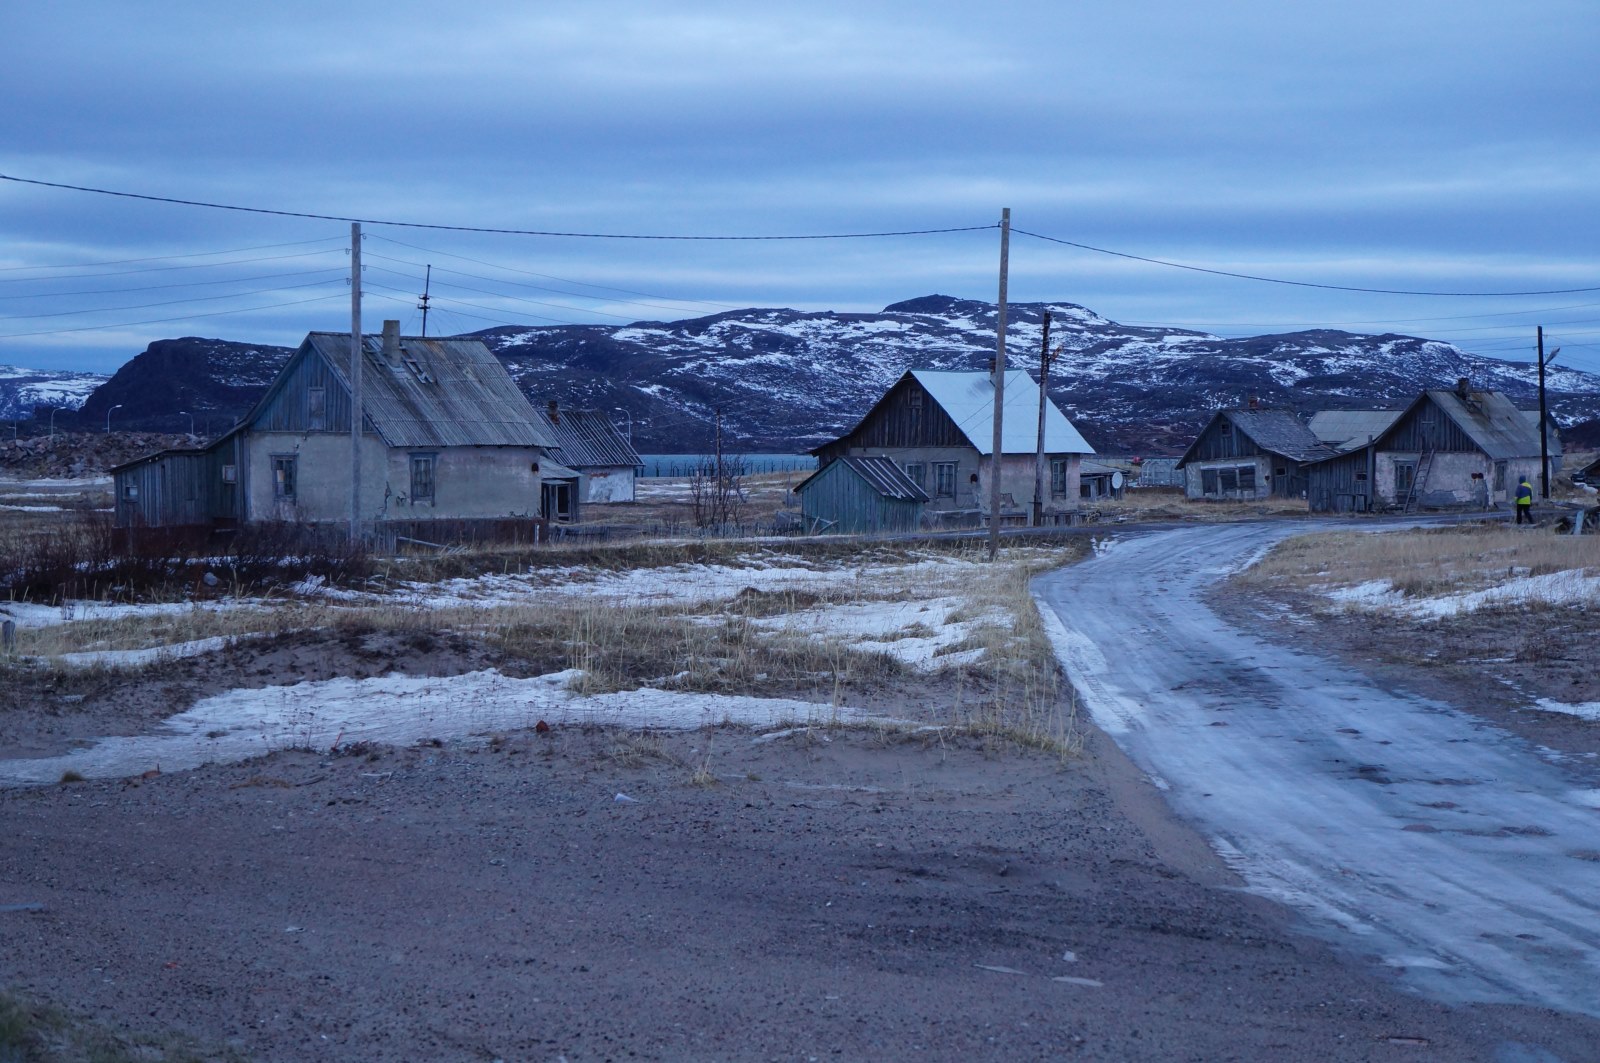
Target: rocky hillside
{"points": [[24, 391], [787, 379]]}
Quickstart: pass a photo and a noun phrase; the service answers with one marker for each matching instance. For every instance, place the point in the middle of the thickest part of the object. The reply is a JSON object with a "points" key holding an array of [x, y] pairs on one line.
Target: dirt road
{"points": [[1407, 831]]}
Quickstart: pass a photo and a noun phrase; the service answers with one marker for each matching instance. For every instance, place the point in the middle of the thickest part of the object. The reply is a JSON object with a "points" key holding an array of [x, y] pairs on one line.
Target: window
{"points": [[944, 479], [283, 476], [1208, 481], [1228, 480], [316, 409], [1227, 428], [1405, 474], [130, 491], [1499, 476], [230, 474], [422, 469], [914, 398], [1247, 477], [917, 473], [1058, 478]]}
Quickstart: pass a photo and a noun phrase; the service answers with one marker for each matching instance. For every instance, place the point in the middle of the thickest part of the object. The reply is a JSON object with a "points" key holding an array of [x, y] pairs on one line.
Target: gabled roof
{"points": [[587, 439], [1275, 431], [880, 474], [969, 400], [1489, 419], [442, 393], [1349, 429]]}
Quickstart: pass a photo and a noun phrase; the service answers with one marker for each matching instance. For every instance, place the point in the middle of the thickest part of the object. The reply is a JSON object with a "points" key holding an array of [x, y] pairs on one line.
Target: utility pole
{"points": [[999, 387], [422, 304], [355, 382], [1038, 466], [1544, 412]]}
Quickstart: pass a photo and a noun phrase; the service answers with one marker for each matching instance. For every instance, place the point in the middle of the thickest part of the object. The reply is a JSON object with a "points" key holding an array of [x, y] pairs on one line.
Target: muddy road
{"points": [[1408, 832]]}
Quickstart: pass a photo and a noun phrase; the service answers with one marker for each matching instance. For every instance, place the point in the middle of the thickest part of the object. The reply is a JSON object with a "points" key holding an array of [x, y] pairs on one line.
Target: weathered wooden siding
{"points": [[1426, 428], [1342, 484], [905, 417], [288, 408], [1216, 444], [837, 500], [182, 489]]}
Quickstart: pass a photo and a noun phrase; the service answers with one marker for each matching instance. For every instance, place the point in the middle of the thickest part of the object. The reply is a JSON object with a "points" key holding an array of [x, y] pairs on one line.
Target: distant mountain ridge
{"points": [[788, 379], [22, 391]]}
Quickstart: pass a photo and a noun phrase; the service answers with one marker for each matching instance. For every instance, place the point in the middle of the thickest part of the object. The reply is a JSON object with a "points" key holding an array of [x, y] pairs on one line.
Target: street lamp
{"points": [[53, 410], [186, 413], [109, 412], [629, 416]]}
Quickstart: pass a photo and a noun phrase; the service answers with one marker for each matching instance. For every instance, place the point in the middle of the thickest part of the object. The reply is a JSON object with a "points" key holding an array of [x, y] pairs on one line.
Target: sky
{"points": [[1405, 145]]}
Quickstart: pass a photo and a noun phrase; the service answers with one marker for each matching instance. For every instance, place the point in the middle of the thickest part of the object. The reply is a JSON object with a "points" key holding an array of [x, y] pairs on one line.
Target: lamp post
{"points": [[629, 416], [109, 412], [186, 413], [53, 410]]}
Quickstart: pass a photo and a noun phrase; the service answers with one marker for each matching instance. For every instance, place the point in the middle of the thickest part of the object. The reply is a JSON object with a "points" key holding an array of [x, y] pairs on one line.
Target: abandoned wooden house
{"points": [[588, 443], [446, 436], [1448, 448], [1250, 453], [860, 496], [938, 428], [1099, 481]]}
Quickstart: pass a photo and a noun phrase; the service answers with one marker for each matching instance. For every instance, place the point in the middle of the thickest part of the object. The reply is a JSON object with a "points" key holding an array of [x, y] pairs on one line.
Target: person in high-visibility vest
{"points": [[1524, 501]]}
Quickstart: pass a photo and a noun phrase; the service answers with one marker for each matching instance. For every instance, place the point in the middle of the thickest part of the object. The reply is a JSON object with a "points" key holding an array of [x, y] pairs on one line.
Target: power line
{"points": [[551, 277], [477, 228], [163, 287], [167, 320], [167, 258], [167, 269], [510, 298], [1296, 284], [169, 302]]}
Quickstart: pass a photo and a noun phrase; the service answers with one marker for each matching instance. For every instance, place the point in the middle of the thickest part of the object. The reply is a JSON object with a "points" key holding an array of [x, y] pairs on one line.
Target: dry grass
{"points": [[1423, 562], [1169, 503]]}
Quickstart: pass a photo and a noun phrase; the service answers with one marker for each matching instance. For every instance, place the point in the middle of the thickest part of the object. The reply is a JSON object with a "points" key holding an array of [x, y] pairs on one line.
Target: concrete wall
{"points": [[608, 485], [1194, 481], [972, 477], [470, 482], [1450, 478]]}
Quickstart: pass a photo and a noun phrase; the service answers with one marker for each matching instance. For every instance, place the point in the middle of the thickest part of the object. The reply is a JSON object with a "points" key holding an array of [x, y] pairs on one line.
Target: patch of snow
{"points": [[1588, 710], [140, 658], [241, 724]]}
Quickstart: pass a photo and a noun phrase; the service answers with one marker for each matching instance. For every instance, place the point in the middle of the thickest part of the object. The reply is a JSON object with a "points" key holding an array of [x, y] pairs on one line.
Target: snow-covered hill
{"points": [[785, 379], [24, 390]]}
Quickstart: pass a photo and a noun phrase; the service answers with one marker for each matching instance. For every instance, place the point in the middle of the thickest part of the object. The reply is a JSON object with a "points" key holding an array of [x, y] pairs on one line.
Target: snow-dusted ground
{"points": [[401, 709], [1571, 587], [917, 633], [1588, 710]]}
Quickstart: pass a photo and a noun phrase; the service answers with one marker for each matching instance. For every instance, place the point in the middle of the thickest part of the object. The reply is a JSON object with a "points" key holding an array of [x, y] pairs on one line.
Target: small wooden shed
{"points": [[861, 496]]}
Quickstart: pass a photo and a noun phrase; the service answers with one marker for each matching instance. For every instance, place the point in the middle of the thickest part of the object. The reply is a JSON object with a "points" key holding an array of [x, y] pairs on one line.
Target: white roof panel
{"points": [[969, 400]]}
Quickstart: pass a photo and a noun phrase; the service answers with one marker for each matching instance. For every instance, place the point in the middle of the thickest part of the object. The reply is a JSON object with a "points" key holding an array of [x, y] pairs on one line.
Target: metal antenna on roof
{"points": [[422, 304]]}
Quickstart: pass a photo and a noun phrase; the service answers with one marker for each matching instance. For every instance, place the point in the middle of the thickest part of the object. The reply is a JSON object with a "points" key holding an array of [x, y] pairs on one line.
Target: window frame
{"points": [[944, 479], [1058, 478], [428, 461], [285, 477], [917, 473], [316, 409]]}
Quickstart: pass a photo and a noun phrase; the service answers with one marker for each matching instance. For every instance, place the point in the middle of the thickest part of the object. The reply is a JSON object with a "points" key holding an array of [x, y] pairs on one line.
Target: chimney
{"points": [[1253, 403], [555, 414], [1463, 389], [391, 343]]}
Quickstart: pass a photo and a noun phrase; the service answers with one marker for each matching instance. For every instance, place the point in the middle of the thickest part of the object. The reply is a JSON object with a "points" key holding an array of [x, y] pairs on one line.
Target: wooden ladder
{"points": [[1418, 481]]}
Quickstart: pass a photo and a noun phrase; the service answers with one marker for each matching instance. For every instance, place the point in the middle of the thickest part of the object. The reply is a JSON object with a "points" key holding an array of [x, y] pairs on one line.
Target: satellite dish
{"points": [[1116, 480]]}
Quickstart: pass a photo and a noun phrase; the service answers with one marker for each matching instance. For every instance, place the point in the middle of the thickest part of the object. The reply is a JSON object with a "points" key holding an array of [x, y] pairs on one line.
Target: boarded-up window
{"points": [[316, 409], [283, 476], [917, 473], [423, 467], [1058, 478], [1247, 477], [1208, 481], [944, 476]]}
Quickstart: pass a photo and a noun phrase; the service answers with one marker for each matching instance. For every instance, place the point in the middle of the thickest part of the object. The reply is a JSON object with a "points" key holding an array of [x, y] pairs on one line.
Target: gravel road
{"points": [[1407, 831]]}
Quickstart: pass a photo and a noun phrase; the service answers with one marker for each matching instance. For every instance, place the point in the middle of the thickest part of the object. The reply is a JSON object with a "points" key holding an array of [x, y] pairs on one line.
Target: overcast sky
{"points": [[1396, 144]]}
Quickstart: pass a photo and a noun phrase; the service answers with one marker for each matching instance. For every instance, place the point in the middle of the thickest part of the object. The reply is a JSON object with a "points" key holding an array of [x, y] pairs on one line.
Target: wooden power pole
{"points": [[1038, 458], [1544, 439], [355, 382], [995, 458]]}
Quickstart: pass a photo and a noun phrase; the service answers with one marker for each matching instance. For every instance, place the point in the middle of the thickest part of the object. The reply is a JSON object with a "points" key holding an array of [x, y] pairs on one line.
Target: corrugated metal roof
{"points": [[969, 400], [881, 474], [1349, 429], [553, 470], [1493, 421], [588, 439], [443, 393]]}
